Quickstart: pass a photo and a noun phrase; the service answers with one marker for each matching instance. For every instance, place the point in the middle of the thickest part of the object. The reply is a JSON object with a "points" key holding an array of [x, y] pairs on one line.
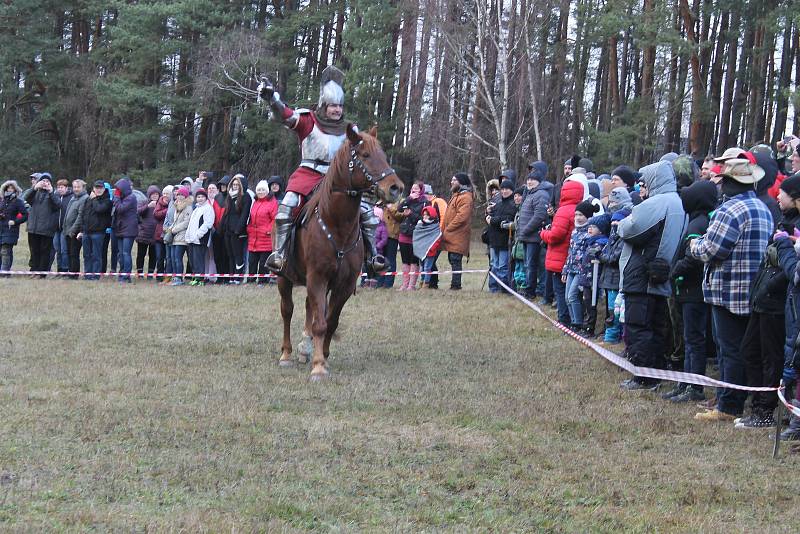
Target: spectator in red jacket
{"points": [[557, 236], [259, 229]]}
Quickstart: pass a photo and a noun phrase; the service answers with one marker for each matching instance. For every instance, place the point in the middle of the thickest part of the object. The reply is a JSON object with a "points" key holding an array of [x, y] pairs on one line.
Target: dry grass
{"points": [[147, 408]]}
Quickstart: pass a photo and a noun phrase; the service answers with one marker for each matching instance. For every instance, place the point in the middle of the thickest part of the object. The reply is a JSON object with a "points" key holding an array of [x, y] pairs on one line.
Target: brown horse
{"points": [[327, 250]]}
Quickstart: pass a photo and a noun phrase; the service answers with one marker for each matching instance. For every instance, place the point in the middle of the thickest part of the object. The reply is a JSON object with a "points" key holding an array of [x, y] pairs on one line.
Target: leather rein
{"points": [[354, 162]]}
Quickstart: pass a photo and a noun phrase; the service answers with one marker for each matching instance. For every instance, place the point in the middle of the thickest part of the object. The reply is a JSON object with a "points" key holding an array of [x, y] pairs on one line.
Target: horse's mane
{"points": [[338, 167]]}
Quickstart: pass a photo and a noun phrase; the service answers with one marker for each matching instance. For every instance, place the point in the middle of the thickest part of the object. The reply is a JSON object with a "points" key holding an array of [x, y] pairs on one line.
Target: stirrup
{"points": [[276, 262]]}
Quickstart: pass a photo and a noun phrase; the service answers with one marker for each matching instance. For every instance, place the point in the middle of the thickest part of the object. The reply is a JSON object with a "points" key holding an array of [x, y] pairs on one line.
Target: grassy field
{"points": [[144, 408]]}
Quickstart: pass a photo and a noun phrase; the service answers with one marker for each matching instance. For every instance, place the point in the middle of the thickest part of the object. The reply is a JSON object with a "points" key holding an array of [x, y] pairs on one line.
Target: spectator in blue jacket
{"points": [[126, 225]]}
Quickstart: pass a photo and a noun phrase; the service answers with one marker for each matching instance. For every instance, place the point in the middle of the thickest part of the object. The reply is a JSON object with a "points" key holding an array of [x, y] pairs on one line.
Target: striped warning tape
{"points": [[619, 361], [208, 275]]}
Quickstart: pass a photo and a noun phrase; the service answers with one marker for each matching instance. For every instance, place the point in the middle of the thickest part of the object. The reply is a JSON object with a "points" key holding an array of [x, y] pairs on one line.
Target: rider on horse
{"points": [[321, 133]]}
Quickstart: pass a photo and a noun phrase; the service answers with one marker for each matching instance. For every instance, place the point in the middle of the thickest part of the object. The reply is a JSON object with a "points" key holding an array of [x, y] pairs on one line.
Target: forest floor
{"points": [[141, 407]]}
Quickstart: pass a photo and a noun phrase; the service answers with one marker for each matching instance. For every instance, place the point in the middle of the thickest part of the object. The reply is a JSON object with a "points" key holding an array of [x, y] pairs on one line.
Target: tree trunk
{"points": [[418, 89], [715, 91], [781, 96], [409, 39], [698, 87], [723, 140]]}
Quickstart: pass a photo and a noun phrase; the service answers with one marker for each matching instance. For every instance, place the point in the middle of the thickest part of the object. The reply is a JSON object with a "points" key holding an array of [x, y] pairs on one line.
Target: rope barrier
{"points": [[209, 275]]}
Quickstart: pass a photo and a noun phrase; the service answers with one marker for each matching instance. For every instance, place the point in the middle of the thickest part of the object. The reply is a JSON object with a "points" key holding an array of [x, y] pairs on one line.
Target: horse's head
{"points": [[369, 166]]}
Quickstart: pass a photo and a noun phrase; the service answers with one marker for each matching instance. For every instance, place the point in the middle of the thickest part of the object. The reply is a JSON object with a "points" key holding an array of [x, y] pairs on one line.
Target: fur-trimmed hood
{"points": [[12, 183]]}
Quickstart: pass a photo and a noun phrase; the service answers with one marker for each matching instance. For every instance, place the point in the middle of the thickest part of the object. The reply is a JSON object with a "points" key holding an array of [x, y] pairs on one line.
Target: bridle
{"points": [[354, 162]]}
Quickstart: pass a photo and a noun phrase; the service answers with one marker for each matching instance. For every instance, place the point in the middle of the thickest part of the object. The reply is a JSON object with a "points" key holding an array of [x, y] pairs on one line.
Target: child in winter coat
{"points": [[598, 228], [570, 274], [427, 241], [609, 277]]}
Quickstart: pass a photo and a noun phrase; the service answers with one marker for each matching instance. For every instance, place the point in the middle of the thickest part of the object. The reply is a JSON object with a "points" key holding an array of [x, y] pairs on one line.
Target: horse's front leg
{"points": [[287, 308], [317, 295], [306, 345], [338, 299]]}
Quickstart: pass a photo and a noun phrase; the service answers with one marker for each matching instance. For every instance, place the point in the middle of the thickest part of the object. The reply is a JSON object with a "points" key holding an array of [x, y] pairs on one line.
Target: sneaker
{"points": [[755, 421], [714, 415], [688, 395], [674, 392], [637, 384], [176, 282]]}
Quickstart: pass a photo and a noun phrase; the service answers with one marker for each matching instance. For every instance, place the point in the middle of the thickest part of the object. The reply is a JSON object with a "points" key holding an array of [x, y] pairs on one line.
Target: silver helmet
{"points": [[330, 87]]}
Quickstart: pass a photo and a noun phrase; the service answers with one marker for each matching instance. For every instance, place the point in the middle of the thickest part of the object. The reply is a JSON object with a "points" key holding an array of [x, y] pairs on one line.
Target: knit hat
{"points": [[98, 183], [262, 185], [619, 198], [520, 191], [627, 174], [184, 192], [201, 193], [602, 222], [791, 186], [507, 184], [587, 164], [462, 177], [587, 208]]}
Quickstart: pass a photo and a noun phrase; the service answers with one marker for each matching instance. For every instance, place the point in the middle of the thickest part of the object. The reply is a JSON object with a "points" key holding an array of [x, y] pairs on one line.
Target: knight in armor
{"points": [[321, 133]]}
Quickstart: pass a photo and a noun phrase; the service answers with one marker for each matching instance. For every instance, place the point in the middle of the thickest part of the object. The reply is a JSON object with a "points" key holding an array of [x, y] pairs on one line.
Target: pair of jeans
{"points": [[695, 319], [560, 295], [177, 259], [124, 250], [93, 254], [161, 254], [613, 331], [456, 264], [499, 260], [41, 247], [6, 257], [729, 330], [390, 253], [545, 285], [532, 253], [197, 255], [62, 252], [574, 294], [427, 266], [646, 318], [762, 350]]}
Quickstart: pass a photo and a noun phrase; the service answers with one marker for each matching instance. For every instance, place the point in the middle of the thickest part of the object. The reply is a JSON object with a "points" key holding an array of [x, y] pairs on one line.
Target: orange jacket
{"points": [[456, 222]]}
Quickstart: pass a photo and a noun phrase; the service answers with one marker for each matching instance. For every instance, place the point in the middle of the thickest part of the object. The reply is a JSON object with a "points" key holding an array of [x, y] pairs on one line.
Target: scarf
{"points": [[328, 126]]}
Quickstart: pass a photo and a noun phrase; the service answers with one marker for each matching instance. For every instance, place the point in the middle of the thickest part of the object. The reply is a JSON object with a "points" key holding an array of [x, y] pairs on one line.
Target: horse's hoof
{"points": [[285, 363], [302, 360], [319, 377]]}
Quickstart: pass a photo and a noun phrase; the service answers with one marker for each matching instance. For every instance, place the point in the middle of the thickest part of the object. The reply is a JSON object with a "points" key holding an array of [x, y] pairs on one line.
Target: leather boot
{"points": [[276, 260]]}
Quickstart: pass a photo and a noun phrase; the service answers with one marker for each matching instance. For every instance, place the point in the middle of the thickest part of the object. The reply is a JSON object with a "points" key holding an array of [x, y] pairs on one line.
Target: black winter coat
{"points": [[43, 215], [409, 223], [97, 214], [11, 210], [503, 212]]}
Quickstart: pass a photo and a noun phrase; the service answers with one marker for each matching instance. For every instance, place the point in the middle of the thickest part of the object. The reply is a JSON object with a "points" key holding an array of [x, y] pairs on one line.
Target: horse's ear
{"points": [[374, 131], [352, 133]]}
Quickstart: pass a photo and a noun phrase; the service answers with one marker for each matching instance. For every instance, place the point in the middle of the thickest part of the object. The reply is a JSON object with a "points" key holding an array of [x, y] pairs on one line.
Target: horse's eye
{"points": [[365, 155]]}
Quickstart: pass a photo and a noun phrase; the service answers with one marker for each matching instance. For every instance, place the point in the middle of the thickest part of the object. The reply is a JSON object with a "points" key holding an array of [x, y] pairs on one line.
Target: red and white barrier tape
{"points": [[619, 361], [207, 275]]}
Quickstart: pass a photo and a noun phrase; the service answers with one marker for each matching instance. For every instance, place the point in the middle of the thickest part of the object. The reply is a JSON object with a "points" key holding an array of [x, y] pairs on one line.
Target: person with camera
{"points": [[411, 211], [12, 214], [43, 218], [651, 235], [96, 218], [500, 221]]}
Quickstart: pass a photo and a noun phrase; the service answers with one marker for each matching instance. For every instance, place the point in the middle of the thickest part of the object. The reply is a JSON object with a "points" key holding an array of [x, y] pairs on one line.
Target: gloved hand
{"points": [[779, 235], [265, 90]]}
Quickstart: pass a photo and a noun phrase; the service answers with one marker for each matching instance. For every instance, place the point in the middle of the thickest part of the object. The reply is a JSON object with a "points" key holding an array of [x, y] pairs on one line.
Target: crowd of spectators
{"points": [[689, 263]]}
